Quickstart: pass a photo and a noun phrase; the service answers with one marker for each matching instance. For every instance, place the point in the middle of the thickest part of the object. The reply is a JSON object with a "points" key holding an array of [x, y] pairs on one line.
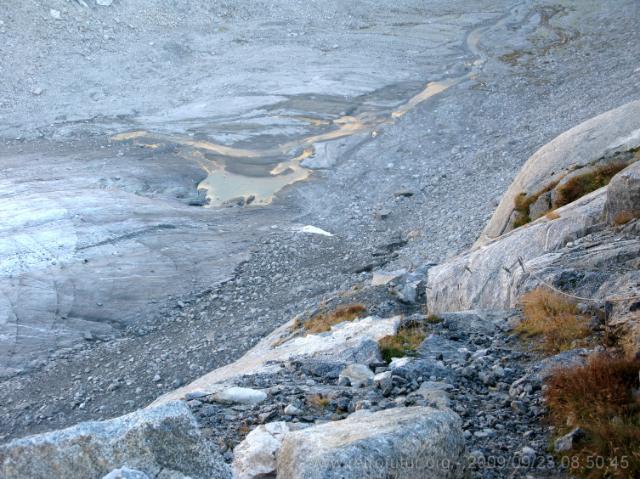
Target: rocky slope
{"points": [[467, 400]]}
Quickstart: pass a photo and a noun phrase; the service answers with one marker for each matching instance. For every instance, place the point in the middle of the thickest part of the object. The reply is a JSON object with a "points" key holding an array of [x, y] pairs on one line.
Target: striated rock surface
{"points": [[404, 443], [488, 277], [163, 440]]}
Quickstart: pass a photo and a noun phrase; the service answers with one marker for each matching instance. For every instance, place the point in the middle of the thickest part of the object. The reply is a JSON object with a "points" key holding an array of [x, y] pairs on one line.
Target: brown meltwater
{"points": [[259, 174]]}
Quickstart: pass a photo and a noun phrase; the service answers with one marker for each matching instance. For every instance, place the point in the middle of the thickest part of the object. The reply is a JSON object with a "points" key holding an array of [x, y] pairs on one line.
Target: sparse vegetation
{"points": [[523, 203], [404, 343], [552, 215], [323, 321], [623, 217], [554, 319], [433, 319], [601, 398], [581, 185], [318, 401]]}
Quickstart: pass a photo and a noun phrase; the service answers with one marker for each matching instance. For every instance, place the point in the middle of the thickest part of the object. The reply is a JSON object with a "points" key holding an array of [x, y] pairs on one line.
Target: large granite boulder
{"points": [[159, 442], [623, 196], [594, 141], [403, 443], [345, 343]]}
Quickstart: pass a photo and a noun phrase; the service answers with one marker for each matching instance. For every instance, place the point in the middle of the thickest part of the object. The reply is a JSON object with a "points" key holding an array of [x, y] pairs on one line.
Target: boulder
{"points": [[356, 376], [617, 130], [154, 440], [347, 342], [255, 457], [435, 393], [237, 395], [403, 443], [623, 196]]}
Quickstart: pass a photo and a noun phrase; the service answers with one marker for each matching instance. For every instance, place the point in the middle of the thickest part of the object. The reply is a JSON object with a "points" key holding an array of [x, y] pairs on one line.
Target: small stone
{"points": [[55, 14], [37, 91], [126, 473], [292, 410], [528, 455], [356, 375], [156, 378], [104, 3], [568, 441]]}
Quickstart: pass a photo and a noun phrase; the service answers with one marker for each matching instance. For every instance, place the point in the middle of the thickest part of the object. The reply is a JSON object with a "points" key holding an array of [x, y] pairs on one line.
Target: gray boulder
{"points": [[403, 443], [623, 196], [152, 441], [356, 376]]}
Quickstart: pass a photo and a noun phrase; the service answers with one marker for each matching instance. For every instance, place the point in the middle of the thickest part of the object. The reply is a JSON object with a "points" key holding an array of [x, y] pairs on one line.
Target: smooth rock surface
{"points": [[240, 396], [404, 443], [152, 440]]}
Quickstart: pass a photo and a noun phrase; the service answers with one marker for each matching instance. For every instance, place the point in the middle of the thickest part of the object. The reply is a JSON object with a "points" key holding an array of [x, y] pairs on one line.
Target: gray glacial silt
{"points": [[100, 217], [124, 127]]}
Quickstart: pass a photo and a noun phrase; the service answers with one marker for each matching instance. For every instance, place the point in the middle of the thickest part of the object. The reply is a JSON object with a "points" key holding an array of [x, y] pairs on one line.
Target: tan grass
{"points": [[323, 321], [554, 319], [601, 398]]}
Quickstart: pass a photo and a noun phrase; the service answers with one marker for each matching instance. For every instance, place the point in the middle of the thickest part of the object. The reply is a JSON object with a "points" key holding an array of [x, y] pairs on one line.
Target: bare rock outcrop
{"points": [[159, 442], [490, 277], [595, 141]]}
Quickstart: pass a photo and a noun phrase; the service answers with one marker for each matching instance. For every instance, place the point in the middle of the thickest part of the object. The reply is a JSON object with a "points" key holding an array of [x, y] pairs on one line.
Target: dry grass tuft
{"points": [[318, 401], [403, 343], [623, 217], [601, 398], [554, 318], [552, 215], [581, 185], [322, 322]]}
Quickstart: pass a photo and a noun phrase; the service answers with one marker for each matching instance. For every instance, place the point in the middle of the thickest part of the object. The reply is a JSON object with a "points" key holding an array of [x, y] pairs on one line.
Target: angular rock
{"points": [[568, 441], [623, 196], [403, 443], [152, 440], [435, 393], [255, 457], [356, 375]]}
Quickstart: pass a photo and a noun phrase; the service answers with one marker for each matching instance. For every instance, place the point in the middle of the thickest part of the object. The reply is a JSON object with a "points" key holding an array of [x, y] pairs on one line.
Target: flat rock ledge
{"points": [[404, 443], [159, 442]]}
